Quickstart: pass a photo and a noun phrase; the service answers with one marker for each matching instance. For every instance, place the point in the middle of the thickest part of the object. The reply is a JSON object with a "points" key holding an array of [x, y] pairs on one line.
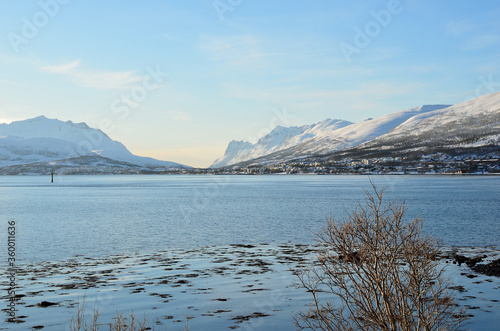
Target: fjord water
{"points": [[101, 215]]}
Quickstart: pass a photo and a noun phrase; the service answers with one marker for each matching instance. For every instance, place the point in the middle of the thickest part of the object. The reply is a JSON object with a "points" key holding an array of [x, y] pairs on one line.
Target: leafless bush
{"points": [[377, 271], [80, 323], [121, 323]]}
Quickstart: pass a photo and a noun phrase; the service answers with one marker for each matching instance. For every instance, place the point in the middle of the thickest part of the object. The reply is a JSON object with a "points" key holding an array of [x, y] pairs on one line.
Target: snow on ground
{"points": [[248, 287]]}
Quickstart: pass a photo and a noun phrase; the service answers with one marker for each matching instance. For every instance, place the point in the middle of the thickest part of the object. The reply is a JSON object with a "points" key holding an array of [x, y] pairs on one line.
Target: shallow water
{"points": [[211, 288], [102, 215]]}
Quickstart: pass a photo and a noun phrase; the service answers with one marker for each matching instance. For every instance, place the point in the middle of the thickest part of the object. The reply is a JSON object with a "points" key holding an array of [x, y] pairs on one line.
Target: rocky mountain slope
{"points": [[322, 138], [469, 126], [281, 138]]}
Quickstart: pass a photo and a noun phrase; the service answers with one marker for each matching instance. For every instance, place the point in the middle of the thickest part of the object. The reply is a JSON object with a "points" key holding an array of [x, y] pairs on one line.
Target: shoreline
{"points": [[239, 174], [212, 288]]}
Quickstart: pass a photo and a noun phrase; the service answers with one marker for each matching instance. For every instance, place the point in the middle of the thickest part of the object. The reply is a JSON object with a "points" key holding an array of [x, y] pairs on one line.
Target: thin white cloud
{"points": [[168, 36], [63, 69], [233, 50], [384, 53], [93, 79], [311, 99], [482, 42], [178, 115], [457, 28], [423, 68], [106, 80], [9, 82]]}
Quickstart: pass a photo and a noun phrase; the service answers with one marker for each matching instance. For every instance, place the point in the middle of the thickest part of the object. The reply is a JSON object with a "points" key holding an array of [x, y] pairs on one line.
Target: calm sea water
{"points": [[100, 215]]}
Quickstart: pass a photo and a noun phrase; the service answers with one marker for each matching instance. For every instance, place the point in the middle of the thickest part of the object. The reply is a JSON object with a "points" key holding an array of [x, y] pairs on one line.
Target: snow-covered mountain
{"points": [[322, 138], [468, 125], [281, 138], [44, 140]]}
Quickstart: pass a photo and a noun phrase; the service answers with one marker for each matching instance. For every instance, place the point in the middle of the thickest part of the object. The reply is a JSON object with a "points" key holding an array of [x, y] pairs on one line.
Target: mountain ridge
{"points": [[474, 123], [280, 138], [325, 138], [40, 139]]}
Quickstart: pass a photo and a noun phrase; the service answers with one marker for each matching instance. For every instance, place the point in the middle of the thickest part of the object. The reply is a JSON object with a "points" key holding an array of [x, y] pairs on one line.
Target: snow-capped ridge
{"points": [[279, 139], [41, 139], [329, 136], [474, 123]]}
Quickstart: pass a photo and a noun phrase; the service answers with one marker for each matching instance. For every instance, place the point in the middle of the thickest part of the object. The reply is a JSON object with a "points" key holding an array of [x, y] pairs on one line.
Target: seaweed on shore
{"points": [[491, 268], [488, 269]]}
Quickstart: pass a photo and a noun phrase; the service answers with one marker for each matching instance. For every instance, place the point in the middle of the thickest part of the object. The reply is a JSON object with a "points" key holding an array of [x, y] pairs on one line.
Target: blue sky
{"points": [[177, 80]]}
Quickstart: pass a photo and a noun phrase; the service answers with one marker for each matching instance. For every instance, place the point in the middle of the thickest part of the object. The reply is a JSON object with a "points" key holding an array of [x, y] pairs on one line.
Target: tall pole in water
{"points": [[51, 177]]}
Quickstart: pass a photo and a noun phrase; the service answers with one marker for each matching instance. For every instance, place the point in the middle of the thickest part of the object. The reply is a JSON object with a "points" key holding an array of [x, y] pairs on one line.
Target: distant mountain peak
{"points": [[41, 139], [236, 145], [426, 108], [333, 136], [38, 118], [280, 138], [43, 118], [81, 125]]}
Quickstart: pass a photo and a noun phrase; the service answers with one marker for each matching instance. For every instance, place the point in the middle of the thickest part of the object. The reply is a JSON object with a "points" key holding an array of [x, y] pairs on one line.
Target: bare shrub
{"points": [[121, 323], [80, 323], [376, 271], [124, 324]]}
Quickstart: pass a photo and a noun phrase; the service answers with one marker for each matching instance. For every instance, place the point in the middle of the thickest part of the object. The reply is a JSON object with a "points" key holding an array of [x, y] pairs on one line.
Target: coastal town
{"points": [[427, 164]]}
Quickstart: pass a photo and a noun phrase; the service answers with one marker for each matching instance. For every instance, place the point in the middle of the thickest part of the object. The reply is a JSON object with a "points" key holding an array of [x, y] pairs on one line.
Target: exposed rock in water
{"points": [[470, 261], [489, 269], [45, 304]]}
